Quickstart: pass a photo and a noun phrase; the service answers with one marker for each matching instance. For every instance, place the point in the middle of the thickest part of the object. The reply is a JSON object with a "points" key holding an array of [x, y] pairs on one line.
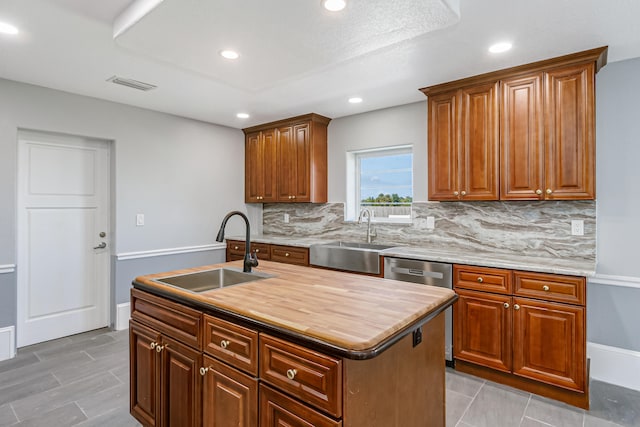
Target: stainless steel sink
{"points": [[207, 280], [349, 256]]}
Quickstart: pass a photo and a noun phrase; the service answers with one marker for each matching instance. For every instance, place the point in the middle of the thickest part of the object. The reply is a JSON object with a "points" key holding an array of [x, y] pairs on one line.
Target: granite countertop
{"points": [[571, 267], [353, 315]]}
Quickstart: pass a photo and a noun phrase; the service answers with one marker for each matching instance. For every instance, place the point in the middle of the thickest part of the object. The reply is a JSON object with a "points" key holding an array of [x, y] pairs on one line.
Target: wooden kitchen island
{"points": [[303, 347]]}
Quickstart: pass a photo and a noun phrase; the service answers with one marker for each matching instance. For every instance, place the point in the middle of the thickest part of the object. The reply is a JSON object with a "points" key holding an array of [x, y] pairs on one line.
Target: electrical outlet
{"points": [[577, 227], [286, 218], [431, 222], [417, 336], [139, 220]]}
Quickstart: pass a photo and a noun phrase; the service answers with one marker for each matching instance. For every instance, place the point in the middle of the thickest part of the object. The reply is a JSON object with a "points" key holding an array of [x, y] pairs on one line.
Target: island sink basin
{"points": [[207, 280], [348, 256]]}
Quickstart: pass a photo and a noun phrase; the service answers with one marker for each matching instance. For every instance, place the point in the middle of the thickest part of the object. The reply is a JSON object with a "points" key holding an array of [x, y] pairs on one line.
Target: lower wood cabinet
{"points": [[533, 343], [279, 410], [279, 253], [229, 397], [165, 379]]}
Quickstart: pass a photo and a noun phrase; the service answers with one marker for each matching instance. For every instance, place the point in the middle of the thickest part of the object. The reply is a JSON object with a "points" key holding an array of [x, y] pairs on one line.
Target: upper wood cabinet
{"points": [[463, 153], [286, 161], [524, 133]]}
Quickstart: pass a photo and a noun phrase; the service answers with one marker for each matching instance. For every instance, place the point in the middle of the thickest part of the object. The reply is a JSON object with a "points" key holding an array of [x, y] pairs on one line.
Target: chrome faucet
{"points": [[371, 232], [250, 260]]}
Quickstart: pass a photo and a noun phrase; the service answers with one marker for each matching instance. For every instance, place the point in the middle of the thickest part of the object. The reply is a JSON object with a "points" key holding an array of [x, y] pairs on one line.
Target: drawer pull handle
{"points": [[516, 307], [286, 254], [224, 343], [480, 279], [506, 305], [291, 373], [545, 288], [203, 371]]}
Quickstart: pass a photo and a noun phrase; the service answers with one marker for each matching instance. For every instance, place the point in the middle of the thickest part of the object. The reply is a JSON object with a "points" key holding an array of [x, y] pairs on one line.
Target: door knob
{"points": [[102, 245]]}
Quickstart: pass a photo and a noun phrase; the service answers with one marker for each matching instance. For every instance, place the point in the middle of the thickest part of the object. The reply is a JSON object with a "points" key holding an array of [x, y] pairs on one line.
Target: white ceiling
{"points": [[296, 57]]}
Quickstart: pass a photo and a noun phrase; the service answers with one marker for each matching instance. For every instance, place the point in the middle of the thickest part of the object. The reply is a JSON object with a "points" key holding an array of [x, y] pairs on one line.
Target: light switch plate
{"points": [[139, 220], [431, 222]]}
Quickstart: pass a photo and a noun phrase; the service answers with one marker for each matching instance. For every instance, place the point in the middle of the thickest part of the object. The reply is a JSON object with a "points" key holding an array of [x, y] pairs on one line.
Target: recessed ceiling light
{"points": [[500, 47], [355, 100], [334, 5], [242, 115], [229, 54], [6, 28]]}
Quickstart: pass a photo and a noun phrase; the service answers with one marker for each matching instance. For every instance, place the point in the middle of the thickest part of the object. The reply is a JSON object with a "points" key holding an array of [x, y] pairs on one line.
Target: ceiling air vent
{"points": [[135, 84]]}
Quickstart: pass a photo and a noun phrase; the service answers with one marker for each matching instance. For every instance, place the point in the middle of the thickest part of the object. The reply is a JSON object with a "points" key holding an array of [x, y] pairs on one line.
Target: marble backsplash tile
{"points": [[530, 228]]}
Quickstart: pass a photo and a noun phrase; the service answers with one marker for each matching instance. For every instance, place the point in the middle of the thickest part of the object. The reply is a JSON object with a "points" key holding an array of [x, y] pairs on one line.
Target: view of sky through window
{"points": [[387, 175]]}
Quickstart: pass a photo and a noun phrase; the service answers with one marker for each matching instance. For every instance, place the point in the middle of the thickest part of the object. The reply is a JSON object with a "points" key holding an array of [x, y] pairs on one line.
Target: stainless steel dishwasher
{"points": [[425, 273]]}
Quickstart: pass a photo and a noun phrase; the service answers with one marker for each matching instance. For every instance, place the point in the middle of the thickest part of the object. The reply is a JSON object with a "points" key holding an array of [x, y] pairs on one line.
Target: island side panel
{"points": [[404, 386]]}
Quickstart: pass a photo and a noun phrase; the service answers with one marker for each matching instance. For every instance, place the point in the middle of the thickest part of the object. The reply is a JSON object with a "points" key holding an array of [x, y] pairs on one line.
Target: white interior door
{"points": [[63, 247]]}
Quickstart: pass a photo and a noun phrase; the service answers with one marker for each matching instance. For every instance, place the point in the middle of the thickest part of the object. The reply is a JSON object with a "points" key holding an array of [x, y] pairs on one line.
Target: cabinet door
{"points": [[181, 396], [230, 398], [521, 139], [443, 146], [549, 343], [482, 329], [570, 133], [293, 163], [144, 374], [260, 167], [479, 143]]}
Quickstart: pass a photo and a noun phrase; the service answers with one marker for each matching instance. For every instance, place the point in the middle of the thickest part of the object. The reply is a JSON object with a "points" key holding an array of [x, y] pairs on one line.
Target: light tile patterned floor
{"points": [[83, 380]]}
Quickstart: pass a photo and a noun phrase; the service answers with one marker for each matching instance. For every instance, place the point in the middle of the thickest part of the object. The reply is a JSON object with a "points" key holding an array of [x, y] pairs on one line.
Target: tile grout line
{"points": [[15, 414], [471, 403], [524, 413]]}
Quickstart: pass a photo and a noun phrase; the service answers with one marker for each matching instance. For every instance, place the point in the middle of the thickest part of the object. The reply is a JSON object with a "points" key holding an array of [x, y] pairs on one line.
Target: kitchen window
{"points": [[380, 180]]}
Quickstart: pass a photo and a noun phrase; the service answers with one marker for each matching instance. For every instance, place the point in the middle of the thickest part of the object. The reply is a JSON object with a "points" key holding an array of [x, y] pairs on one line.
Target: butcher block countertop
{"points": [[350, 315]]}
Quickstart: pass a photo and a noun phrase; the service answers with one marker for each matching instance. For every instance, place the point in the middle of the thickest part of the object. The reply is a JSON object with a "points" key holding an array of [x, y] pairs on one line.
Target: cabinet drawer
{"points": [[550, 287], [310, 376], [235, 250], [175, 320], [276, 409], [231, 343], [482, 279], [290, 255]]}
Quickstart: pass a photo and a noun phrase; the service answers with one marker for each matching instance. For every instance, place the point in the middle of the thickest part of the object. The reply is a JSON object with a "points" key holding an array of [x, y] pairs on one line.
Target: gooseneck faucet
{"points": [[370, 232], [250, 260]]}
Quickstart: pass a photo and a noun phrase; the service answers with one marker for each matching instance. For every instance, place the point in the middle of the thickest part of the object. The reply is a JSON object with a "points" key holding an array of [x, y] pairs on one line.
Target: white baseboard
{"points": [[615, 365], [7, 343], [123, 314]]}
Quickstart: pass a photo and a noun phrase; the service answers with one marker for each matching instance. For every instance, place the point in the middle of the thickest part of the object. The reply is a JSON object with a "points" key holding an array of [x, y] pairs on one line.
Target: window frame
{"points": [[354, 158]]}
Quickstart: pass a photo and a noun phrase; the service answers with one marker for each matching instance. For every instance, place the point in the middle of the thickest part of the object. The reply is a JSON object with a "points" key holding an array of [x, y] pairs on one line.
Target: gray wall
{"points": [[184, 175], [612, 310]]}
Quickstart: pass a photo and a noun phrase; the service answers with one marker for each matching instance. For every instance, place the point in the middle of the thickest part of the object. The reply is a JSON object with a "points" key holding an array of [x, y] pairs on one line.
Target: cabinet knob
{"points": [[516, 307], [291, 373], [480, 279], [286, 254], [153, 345], [293, 197], [257, 250], [224, 343], [545, 288], [549, 191], [455, 193], [235, 248], [159, 348], [203, 371], [463, 193], [506, 305], [538, 192]]}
